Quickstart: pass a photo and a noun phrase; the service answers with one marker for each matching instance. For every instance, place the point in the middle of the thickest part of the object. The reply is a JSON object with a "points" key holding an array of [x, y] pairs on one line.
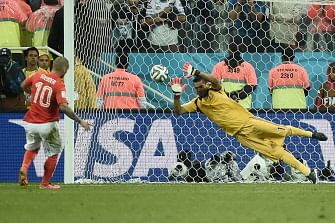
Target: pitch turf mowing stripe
{"points": [[165, 203]]}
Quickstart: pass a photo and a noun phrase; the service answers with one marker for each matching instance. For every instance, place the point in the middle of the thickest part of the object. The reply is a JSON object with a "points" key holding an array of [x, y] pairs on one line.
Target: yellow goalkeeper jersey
{"points": [[219, 108]]}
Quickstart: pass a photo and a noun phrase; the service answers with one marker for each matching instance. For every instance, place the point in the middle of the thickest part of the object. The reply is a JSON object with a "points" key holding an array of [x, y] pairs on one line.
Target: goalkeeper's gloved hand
{"points": [[190, 70], [176, 86]]}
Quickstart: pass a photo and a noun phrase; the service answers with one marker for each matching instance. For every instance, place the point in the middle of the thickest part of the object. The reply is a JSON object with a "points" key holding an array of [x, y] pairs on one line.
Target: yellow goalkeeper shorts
{"points": [[264, 137]]}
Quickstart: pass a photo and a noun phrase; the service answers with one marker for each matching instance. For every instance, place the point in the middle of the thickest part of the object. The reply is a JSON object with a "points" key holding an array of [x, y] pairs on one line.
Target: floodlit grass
{"points": [[160, 203]]}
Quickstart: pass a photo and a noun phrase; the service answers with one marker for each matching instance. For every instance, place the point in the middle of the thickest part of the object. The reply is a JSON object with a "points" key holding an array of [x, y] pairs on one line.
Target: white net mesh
{"points": [[146, 144]]}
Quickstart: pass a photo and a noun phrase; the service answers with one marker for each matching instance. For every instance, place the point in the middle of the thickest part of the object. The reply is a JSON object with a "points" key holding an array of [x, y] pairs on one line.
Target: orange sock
{"points": [[28, 157], [49, 168]]}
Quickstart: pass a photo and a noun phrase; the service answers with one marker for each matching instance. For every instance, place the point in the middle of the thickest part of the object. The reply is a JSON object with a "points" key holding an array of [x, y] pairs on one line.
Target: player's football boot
{"points": [[23, 180], [313, 176], [49, 187], [319, 136]]}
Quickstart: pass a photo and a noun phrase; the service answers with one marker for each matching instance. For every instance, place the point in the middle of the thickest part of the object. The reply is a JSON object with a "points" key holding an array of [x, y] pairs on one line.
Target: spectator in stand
{"points": [[322, 27], [56, 35], [44, 61], [248, 16], [86, 29], [288, 83], [34, 4], [186, 32], [11, 76], [13, 13], [85, 89], [26, 36], [121, 89], [326, 95], [164, 18], [40, 22], [223, 25], [31, 56], [238, 77], [303, 26], [204, 28], [284, 23], [127, 32]]}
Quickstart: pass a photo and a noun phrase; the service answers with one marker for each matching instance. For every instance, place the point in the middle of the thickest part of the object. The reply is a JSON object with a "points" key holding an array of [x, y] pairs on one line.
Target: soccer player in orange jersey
{"points": [[260, 135], [47, 100]]}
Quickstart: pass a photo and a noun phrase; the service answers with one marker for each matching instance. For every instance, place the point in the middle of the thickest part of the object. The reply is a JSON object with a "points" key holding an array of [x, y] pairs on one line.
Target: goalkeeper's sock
{"points": [[49, 168], [28, 157], [293, 131], [289, 159]]}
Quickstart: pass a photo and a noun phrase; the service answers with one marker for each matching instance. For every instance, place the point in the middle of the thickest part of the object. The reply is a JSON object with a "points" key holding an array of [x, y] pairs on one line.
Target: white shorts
{"points": [[45, 133]]}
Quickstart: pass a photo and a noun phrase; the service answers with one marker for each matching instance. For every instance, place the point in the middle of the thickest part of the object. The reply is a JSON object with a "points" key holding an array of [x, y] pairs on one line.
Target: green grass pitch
{"points": [[165, 203]]}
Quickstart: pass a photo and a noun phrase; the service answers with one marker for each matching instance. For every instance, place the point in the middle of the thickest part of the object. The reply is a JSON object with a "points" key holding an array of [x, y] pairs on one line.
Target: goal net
{"points": [[127, 145]]}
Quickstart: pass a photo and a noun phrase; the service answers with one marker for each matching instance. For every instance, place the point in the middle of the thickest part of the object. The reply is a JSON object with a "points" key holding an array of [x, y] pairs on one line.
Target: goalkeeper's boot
{"points": [[49, 186], [319, 136], [313, 176], [23, 179]]}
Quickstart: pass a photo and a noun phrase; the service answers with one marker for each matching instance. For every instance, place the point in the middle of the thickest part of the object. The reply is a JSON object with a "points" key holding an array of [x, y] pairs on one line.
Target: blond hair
{"points": [[59, 63]]}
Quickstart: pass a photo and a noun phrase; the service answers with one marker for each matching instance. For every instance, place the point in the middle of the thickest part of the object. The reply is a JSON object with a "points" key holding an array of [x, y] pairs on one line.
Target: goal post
{"points": [[142, 145], [69, 82]]}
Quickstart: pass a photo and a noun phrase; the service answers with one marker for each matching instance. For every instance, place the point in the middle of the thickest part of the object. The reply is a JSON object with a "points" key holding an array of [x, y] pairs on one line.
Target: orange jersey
{"points": [[235, 79], [120, 89], [42, 18], [244, 73], [288, 75], [287, 82], [14, 10], [322, 17], [47, 92]]}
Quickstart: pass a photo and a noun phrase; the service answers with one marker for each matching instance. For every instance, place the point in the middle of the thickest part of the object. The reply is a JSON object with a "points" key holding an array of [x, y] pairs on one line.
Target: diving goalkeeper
{"points": [[258, 134]]}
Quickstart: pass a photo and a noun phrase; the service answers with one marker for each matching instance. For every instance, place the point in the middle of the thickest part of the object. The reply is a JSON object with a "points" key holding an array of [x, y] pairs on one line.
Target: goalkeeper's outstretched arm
{"points": [[193, 72], [177, 109], [177, 88], [216, 84]]}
